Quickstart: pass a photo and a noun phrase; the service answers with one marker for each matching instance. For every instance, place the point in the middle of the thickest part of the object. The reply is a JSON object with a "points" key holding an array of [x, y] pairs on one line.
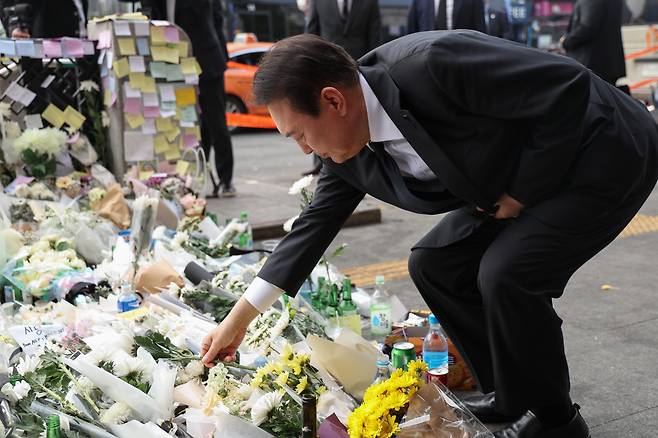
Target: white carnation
{"points": [[28, 364], [118, 413], [16, 392], [265, 405], [300, 184], [179, 239]]}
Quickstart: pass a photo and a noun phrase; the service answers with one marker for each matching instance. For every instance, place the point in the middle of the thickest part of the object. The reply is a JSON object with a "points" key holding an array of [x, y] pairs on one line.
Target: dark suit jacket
{"points": [[359, 34], [488, 116], [51, 18], [203, 23], [497, 24], [466, 14], [594, 37]]}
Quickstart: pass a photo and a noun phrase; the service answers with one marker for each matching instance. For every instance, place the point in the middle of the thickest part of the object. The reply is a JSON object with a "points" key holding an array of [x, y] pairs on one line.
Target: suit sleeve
{"points": [[313, 25], [218, 19], [478, 19], [504, 80], [588, 25], [317, 226], [412, 18], [374, 34]]}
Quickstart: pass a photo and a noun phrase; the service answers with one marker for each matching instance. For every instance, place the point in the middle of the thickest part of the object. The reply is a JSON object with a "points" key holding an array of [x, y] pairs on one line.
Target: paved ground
{"points": [[611, 335]]}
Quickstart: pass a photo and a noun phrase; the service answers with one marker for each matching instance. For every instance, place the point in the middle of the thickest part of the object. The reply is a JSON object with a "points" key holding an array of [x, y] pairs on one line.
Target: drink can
{"points": [[402, 354], [438, 375]]}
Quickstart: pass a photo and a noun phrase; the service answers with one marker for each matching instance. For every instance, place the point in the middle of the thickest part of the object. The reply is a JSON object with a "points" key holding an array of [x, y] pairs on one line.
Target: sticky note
{"points": [[171, 34], [25, 48], [162, 124], [73, 118], [52, 48], [188, 66], [165, 53], [158, 35], [158, 69], [136, 80], [134, 120], [148, 127], [126, 46], [33, 121], [174, 73], [151, 112], [181, 167], [190, 141], [151, 99], [88, 48], [167, 93], [122, 28], [137, 146], [192, 79], [121, 67], [185, 96], [143, 46], [7, 47], [145, 174], [149, 85], [161, 144], [183, 47], [196, 131], [104, 40], [129, 91], [142, 28], [132, 105], [54, 116], [136, 64], [172, 133], [188, 113], [72, 47], [38, 50], [173, 153], [160, 23]]}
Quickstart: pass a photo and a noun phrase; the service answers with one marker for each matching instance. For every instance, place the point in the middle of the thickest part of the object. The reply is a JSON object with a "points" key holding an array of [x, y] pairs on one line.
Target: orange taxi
{"points": [[241, 112]]}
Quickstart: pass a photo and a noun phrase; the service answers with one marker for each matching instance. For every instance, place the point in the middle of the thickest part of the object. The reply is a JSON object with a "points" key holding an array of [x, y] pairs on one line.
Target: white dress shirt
{"points": [[450, 5], [340, 6], [262, 294]]}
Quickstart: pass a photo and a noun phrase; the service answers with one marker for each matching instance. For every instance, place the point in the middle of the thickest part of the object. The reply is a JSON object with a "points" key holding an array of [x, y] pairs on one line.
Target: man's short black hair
{"points": [[298, 68]]}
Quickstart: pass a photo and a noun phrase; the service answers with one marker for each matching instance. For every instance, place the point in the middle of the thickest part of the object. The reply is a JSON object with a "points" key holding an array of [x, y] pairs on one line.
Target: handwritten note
{"points": [[73, 118], [54, 116], [136, 64], [31, 337]]}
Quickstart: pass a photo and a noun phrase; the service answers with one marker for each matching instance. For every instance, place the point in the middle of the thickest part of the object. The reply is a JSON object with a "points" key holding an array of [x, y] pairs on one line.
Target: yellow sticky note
{"points": [[172, 134], [185, 96], [165, 53], [160, 144], [145, 174], [173, 153], [158, 35], [182, 48], [73, 118], [134, 120], [136, 80], [126, 46], [54, 116], [163, 124], [188, 65], [121, 67], [194, 130], [149, 85], [181, 167]]}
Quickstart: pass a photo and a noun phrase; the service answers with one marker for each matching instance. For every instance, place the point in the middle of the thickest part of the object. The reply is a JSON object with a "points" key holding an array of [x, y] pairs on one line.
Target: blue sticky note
{"points": [[143, 46], [7, 47], [188, 113], [25, 48], [158, 69]]}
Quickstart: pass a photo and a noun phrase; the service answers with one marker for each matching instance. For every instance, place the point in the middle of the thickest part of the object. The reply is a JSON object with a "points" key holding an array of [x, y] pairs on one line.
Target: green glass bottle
{"points": [[52, 427], [347, 306], [332, 306], [319, 295]]}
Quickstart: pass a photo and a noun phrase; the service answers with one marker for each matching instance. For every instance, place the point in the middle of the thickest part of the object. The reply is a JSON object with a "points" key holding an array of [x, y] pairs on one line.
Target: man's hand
{"points": [[508, 207], [223, 341], [19, 34]]}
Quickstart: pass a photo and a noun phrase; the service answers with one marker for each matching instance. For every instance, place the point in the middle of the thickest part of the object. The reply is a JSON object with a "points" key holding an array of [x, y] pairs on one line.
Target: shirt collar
{"points": [[380, 124]]}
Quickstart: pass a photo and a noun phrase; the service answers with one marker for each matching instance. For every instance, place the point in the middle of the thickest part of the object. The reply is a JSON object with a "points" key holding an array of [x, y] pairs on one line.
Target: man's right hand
{"points": [[19, 34]]}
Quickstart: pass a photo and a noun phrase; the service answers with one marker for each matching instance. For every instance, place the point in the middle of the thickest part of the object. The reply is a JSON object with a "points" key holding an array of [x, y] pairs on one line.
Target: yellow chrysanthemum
{"points": [[301, 386], [416, 367], [322, 389], [282, 379]]}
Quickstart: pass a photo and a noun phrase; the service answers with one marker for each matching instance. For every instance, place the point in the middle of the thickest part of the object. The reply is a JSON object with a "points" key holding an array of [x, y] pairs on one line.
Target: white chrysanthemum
{"points": [[179, 239], [129, 364], [265, 405], [48, 141], [16, 392], [28, 364], [287, 226], [300, 184], [89, 86], [195, 368], [118, 413], [105, 119]]}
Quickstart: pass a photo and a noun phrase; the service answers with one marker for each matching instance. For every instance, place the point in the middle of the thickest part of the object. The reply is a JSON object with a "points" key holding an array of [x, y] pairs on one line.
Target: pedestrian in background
{"points": [[445, 15], [202, 21], [354, 25], [593, 37]]}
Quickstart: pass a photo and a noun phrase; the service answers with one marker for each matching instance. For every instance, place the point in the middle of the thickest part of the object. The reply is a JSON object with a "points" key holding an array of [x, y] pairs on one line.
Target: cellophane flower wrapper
{"points": [[37, 280], [434, 412], [135, 429]]}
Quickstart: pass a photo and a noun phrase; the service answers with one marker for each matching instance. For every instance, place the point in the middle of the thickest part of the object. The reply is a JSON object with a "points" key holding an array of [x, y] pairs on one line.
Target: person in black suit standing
{"points": [[353, 24], [593, 37], [540, 163], [496, 21], [202, 21], [445, 15]]}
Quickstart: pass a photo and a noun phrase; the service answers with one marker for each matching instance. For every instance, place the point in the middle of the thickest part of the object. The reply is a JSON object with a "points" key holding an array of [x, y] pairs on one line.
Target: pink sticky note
{"points": [[190, 141], [104, 40], [72, 47], [166, 167], [132, 105], [52, 48], [151, 112], [171, 35]]}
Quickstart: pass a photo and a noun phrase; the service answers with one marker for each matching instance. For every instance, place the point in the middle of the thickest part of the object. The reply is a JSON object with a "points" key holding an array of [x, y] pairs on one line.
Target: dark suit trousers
{"points": [[214, 132], [493, 293]]}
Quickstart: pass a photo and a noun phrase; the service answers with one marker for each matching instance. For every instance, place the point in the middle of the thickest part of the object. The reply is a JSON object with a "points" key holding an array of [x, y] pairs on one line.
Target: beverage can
{"points": [[438, 375], [402, 354]]}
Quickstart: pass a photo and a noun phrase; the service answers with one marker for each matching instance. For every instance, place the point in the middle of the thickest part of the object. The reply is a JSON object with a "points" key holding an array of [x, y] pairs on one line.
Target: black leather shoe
{"points": [[529, 426], [484, 408]]}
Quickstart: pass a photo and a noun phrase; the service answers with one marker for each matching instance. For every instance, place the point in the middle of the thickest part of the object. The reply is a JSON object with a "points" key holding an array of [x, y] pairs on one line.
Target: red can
{"points": [[438, 375]]}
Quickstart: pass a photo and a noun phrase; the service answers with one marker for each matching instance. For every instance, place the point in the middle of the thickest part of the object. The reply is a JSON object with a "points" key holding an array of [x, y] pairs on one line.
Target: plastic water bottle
{"points": [[245, 238], [435, 346], [380, 310], [383, 370], [128, 300]]}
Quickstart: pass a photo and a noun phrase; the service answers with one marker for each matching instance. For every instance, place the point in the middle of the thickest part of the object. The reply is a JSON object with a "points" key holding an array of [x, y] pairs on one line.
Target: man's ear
{"points": [[333, 99]]}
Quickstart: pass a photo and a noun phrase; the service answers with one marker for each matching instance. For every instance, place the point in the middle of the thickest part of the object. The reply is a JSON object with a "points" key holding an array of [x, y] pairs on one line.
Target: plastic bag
{"points": [[434, 412]]}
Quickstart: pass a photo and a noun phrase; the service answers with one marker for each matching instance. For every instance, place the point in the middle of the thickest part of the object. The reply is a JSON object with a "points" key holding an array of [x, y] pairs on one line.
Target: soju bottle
{"points": [[316, 295], [245, 238], [309, 416], [52, 427], [347, 306], [332, 306]]}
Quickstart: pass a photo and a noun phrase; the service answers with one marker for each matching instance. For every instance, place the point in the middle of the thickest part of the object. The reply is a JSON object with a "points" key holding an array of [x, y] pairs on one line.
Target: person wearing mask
{"points": [[445, 15], [202, 21], [593, 37], [354, 25], [538, 162]]}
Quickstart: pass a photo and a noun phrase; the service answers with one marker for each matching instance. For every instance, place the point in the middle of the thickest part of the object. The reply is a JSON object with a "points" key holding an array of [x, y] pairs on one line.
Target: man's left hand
{"points": [[508, 207]]}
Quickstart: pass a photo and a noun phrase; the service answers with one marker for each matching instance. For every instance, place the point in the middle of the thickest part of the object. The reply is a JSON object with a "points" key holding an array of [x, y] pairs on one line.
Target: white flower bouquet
{"points": [[39, 148]]}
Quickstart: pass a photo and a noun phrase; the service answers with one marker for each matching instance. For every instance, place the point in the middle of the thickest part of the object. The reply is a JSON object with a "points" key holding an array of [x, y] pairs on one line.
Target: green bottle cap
{"points": [[244, 215], [379, 280]]}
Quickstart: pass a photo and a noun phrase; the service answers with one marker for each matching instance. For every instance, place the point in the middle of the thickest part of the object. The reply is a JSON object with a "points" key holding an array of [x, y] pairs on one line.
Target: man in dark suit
{"points": [[593, 37], [445, 15], [541, 164], [203, 23], [496, 21]]}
